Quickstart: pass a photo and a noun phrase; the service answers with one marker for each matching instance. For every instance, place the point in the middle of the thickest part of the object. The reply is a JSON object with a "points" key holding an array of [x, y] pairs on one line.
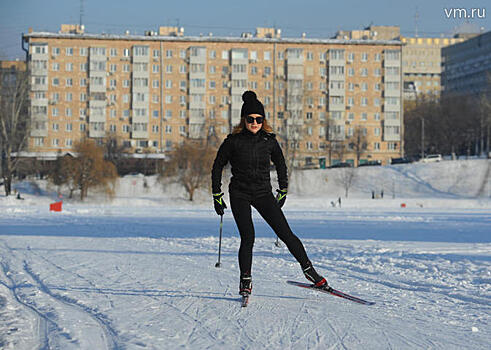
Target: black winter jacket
{"points": [[250, 156]]}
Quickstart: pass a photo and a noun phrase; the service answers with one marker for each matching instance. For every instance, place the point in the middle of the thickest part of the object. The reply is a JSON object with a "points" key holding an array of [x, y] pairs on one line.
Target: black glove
{"points": [[281, 197], [219, 203]]}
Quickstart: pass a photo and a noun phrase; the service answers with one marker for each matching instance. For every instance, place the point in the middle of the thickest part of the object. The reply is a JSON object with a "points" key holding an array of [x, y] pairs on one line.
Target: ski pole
{"points": [[218, 264]]}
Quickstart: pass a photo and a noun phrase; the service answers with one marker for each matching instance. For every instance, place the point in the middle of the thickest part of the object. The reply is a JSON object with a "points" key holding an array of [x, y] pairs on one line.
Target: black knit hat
{"points": [[251, 104]]}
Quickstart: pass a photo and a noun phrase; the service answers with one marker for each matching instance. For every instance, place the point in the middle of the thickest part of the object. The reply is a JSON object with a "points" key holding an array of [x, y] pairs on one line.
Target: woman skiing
{"points": [[249, 149]]}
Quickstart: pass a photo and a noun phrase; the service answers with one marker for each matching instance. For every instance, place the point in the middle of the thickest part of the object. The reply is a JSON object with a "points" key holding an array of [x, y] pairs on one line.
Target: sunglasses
{"points": [[258, 120]]}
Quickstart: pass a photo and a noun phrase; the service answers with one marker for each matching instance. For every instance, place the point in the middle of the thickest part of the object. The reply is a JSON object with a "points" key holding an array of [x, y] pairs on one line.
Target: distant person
{"points": [[250, 149], [339, 201], [19, 196]]}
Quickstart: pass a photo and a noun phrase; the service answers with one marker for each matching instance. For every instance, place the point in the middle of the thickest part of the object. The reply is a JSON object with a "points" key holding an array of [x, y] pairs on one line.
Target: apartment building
{"points": [[467, 66], [421, 57], [156, 90]]}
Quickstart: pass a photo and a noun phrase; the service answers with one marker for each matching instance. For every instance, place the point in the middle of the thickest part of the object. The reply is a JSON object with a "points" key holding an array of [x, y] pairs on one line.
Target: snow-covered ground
{"points": [[138, 272]]}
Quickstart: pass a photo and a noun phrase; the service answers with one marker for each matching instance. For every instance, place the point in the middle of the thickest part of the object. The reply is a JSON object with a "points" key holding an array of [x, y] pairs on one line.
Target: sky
{"points": [[316, 18]]}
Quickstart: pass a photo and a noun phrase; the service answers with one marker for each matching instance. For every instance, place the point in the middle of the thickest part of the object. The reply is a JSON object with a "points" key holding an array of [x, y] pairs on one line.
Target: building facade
{"points": [[157, 90], [467, 66], [421, 57]]}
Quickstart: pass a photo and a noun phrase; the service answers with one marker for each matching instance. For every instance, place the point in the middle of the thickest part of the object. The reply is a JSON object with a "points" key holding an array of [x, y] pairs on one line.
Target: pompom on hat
{"points": [[251, 105]]}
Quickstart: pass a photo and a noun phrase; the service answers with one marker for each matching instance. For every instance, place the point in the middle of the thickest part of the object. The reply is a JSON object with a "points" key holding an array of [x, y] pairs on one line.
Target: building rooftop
{"points": [[133, 37]]}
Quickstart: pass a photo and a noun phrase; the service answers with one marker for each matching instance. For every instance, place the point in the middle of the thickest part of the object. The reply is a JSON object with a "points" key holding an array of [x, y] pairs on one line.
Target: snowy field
{"points": [[138, 272]]}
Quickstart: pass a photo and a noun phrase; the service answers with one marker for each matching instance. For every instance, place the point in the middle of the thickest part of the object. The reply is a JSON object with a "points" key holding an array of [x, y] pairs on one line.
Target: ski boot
{"points": [[312, 275], [245, 286]]}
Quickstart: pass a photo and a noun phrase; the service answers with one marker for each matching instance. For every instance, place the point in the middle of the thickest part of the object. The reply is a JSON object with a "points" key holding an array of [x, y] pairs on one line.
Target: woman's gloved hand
{"points": [[219, 203], [281, 197]]}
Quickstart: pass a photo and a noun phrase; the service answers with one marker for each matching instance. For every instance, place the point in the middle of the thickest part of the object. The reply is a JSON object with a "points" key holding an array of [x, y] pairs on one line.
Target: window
{"points": [[140, 50], [364, 57], [69, 127], [113, 68], [376, 131], [40, 49], [168, 53], [55, 142], [182, 69], [364, 101], [156, 53], [376, 102], [182, 53], [82, 127], [113, 52], [55, 51], [155, 68], [69, 51], [213, 54], [83, 97], [376, 146], [168, 68], [351, 72], [168, 84], [56, 82], [336, 54], [168, 129], [69, 67], [126, 52], [310, 56], [68, 97], [155, 113], [364, 72], [253, 55], [155, 129], [351, 57], [267, 55], [364, 117], [213, 69], [55, 127], [377, 57], [55, 67], [224, 55]]}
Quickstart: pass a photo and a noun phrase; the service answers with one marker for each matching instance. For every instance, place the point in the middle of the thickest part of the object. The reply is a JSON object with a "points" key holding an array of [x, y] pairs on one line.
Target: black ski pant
{"points": [[270, 211]]}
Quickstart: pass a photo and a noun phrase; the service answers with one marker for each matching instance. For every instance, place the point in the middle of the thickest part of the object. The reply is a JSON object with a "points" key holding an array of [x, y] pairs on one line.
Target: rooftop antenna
{"points": [[81, 12], [416, 19]]}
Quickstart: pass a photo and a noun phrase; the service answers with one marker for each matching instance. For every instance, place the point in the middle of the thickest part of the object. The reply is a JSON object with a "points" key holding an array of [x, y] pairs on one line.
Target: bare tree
{"points": [[345, 177], [358, 142], [86, 170], [114, 150], [14, 120], [189, 164]]}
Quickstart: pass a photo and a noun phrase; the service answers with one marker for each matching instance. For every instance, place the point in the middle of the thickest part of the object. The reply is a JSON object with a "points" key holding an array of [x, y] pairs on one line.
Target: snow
{"points": [[138, 272]]}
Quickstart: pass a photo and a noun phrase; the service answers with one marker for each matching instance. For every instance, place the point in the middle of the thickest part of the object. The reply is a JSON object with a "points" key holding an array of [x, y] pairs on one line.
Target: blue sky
{"points": [[317, 18]]}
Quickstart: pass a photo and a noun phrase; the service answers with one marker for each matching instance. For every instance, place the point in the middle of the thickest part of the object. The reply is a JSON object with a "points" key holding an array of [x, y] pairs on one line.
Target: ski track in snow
{"points": [[141, 294]]}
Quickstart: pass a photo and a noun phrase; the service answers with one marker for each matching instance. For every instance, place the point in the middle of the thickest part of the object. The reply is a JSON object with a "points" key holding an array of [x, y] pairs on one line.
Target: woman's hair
{"points": [[241, 126]]}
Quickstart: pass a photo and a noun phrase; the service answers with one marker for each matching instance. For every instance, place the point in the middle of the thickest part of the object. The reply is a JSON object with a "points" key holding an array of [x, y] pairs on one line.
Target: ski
{"points": [[332, 292], [245, 301]]}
